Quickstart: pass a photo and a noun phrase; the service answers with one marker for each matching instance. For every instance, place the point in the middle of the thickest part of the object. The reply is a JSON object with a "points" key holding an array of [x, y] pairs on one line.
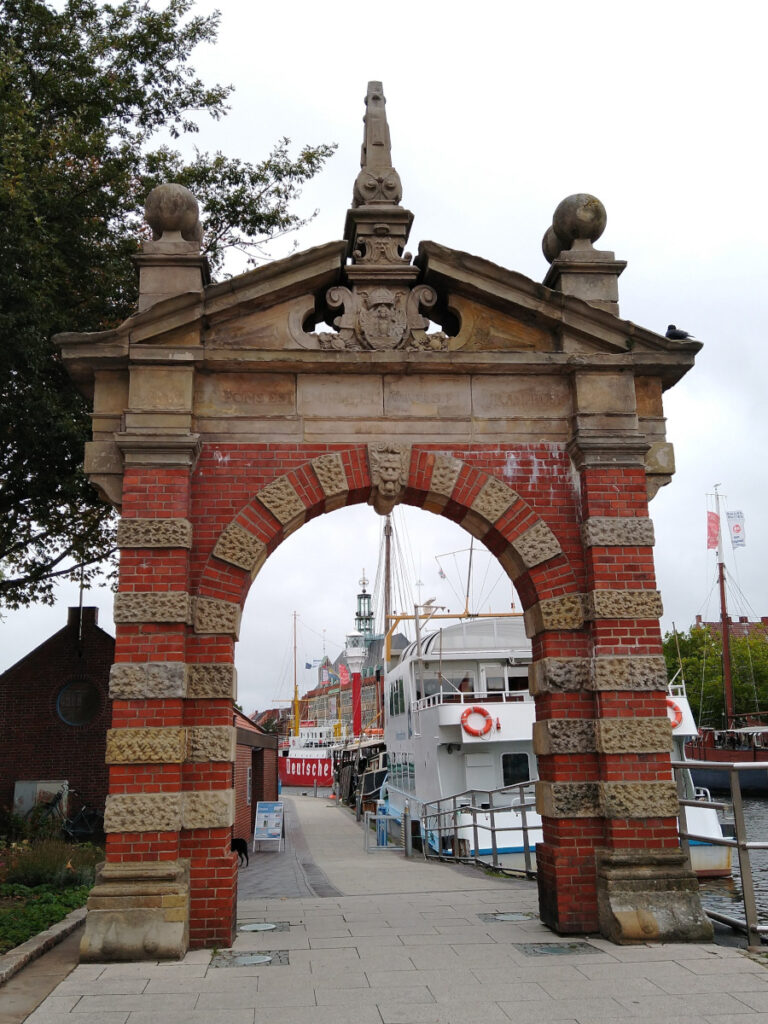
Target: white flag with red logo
{"points": [[713, 529], [736, 527]]}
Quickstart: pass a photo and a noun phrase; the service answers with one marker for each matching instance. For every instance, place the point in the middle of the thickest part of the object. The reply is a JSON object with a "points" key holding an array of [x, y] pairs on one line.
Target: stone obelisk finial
{"points": [[377, 226], [378, 181]]}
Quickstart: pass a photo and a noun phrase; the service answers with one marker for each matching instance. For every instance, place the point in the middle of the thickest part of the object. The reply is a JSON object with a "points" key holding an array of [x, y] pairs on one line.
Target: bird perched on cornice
{"points": [[675, 334]]}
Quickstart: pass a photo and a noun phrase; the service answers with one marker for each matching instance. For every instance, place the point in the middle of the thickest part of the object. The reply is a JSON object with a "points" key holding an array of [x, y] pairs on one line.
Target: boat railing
{"points": [[434, 700], [440, 821], [749, 925]]}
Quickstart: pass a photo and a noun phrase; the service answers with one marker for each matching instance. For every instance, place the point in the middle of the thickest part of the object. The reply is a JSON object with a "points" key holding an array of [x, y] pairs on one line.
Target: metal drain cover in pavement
{"points": [[275, 957], [265, 926], [554, 948], [509, 915]]}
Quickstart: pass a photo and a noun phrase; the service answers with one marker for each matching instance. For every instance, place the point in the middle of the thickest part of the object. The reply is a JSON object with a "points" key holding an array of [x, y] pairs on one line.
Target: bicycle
{"points": [[87, 825]]}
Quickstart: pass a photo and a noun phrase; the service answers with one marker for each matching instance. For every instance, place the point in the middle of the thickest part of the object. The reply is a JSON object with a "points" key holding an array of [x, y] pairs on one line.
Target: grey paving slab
{"points": [[249, 997], [47, 1015], [206, 1016], [319, 1015], [717, 982], [383, 940], [434, 979], [536, 973], [457, 1013], [620, 987], [499, 992], [581, 1010], [374, 997], [754, 1000], [691, 1003]]}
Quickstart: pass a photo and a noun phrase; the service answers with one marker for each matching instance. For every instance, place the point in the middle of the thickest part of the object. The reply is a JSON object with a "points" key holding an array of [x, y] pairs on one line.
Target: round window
{"points": [[78, 702]]}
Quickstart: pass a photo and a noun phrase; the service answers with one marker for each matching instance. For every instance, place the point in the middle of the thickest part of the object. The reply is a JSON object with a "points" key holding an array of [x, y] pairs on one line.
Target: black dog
{"points": [[240, 847]]}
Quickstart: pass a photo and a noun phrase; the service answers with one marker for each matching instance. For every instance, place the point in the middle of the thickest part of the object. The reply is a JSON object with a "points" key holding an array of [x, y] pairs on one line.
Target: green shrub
{"points": [[13, 827], [26, 911], [52, 862]]}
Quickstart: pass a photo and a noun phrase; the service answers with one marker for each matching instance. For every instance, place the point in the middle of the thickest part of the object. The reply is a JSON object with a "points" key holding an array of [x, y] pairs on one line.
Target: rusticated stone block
{"points": [[617, 532], [638, 799], [493, 500], [137, 911], [329, 470], [537, 545], [282, 500], [445, 473], [209, 809], [154, 533], [145, 746], [568, 799], [214, 616], [554, 613], [558, 675], [142, 812], [239, 547], [564, 736], [634, 735], [211, 743], [623, 604], [153, 680], [649, 895], [168, 606], [212, 681], [632, 673]]}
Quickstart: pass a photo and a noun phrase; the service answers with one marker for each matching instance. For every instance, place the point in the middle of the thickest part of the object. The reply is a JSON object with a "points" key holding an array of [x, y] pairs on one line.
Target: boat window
{"points": [[495, 678], [514, 768], [401, 772], [396, 698]]}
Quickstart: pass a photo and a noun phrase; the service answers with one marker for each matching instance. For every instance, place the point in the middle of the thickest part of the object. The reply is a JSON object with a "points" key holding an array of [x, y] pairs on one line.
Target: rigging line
{"points": [[328, 639], [449, 579], [409, 562]]}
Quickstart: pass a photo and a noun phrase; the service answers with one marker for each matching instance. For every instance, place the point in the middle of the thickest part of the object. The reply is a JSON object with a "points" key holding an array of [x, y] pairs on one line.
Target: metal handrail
{"points": [[439, 818], [749, 925]]}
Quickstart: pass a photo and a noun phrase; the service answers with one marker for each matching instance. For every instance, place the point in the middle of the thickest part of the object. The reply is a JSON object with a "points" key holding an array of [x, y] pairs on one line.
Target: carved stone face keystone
{"points": [[389, 475]]}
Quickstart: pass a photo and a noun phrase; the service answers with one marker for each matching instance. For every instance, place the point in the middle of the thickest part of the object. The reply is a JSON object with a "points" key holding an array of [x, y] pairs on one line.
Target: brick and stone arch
{"points": [[224, 421]]}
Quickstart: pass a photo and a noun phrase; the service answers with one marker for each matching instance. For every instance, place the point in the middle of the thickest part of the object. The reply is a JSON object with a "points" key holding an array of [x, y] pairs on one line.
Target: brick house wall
{"points": [[35, 740], [255, 773]]}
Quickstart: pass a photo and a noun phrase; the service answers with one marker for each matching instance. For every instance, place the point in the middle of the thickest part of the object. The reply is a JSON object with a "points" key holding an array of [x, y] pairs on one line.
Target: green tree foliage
{"points": [[90, 95], [701, 656]]}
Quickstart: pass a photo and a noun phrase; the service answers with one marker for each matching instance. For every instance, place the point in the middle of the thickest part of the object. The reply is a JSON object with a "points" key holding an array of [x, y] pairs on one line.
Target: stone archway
{"points": [[223, 421]]}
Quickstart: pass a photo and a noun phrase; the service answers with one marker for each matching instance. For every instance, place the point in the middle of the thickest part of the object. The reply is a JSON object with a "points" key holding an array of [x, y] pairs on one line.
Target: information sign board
{"points": [[268, 827]]}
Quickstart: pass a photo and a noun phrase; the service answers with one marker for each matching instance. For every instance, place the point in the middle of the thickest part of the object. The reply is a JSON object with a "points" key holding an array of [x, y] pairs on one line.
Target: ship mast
{"points": [[724, 621], [296, 717]]}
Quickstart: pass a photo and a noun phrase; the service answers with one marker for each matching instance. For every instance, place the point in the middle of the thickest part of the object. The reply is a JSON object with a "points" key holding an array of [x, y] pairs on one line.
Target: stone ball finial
{"points": [[579, 216], [552, 245], [173, 208]]}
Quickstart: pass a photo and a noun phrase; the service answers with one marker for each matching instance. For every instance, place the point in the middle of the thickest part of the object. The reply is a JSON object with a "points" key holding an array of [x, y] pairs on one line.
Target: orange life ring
{"points": [[674, 713], [470, 729]]}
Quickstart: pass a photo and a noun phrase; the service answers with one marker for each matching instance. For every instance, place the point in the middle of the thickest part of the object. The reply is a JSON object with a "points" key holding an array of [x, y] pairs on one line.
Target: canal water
{"points": [[725, 894]]}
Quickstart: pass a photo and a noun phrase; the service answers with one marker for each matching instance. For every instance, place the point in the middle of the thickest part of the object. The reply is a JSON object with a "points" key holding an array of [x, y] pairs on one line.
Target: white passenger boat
{"points": [[458, 732], [708, 860]]}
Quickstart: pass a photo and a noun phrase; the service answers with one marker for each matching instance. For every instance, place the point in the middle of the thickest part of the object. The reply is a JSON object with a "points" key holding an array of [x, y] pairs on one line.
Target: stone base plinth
{"points": [[138, 911], [649, 896]]}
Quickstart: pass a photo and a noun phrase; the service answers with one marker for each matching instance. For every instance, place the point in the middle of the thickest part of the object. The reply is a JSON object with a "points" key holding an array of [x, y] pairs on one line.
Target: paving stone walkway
{"points": [[377, 939]]}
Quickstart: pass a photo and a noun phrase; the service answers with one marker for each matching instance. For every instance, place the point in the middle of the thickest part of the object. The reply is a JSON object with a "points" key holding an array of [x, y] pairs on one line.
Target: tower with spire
{"points": [[364, 614]]}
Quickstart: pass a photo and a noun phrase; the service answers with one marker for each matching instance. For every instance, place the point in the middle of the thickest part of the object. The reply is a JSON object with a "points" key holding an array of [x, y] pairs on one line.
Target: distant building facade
{"points": [[55, 711], [736, 627]]}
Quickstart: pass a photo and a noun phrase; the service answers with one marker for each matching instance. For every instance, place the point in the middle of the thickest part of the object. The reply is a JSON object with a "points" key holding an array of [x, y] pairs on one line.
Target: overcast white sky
{"points": [[498, 111]]}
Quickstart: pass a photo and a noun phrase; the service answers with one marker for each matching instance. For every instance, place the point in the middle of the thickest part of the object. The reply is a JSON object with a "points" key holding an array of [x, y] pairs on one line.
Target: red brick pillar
{"points": [[610, 857], [169, 871]]}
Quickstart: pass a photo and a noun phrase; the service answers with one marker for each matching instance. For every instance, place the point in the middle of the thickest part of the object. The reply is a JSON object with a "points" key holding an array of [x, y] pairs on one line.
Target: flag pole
{"points": [[724, 622]]}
